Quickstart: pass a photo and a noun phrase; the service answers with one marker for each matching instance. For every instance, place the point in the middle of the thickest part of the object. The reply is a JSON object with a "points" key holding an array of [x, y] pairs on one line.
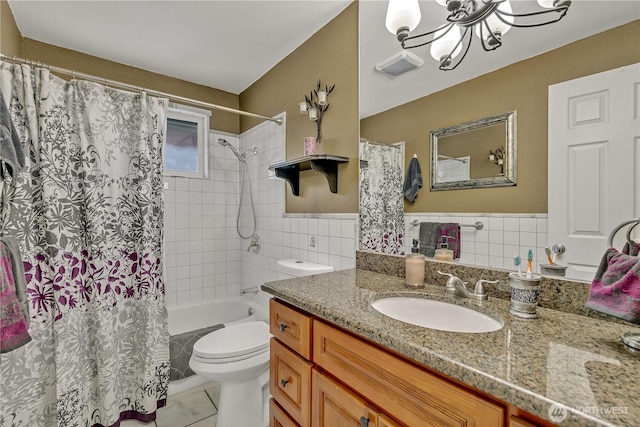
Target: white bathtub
{"points": [[192, 317]]}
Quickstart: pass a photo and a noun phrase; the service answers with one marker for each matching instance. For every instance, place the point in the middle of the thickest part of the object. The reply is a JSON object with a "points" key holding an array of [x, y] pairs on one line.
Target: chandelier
{"points": [[488, 19]]}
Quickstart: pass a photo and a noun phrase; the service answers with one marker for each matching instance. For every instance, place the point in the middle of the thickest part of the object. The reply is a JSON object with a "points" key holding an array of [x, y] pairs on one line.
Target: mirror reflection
{"points": [[476, 154]]}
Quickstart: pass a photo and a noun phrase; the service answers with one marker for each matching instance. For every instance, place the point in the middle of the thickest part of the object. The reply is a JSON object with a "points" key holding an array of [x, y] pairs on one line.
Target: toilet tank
{"points": [[293, 267]]}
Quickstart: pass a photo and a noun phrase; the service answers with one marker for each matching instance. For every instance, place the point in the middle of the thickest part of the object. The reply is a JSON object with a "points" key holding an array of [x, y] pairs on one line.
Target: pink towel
{"points": [[452, 230], [615, 289], [14, 328]]}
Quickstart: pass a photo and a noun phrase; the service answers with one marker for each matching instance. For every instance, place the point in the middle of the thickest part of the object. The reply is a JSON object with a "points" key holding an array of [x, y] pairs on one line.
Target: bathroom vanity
{"points": [[337, 361]]}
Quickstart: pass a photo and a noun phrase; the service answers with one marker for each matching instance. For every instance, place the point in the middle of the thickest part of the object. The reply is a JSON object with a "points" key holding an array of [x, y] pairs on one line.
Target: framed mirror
{"points": [[476, 154]]}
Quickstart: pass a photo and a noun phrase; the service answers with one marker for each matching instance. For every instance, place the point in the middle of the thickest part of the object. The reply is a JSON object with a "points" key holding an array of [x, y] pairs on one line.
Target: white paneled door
{"points": [[594, 163]]}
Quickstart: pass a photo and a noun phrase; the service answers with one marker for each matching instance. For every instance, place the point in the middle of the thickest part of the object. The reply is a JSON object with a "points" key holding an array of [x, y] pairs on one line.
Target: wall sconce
{"points": [[497, 157], [315, 105]]}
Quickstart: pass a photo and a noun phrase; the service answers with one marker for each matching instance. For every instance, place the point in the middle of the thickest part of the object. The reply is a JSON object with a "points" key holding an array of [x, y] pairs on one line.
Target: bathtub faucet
{"points": [[251, 290]]}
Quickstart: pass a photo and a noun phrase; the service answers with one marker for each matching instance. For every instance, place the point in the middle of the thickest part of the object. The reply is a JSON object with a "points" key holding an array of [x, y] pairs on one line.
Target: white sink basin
{"points": [[436, 315]]}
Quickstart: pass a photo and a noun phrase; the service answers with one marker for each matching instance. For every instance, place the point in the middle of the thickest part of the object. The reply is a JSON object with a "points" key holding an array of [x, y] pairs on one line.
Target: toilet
{"points": [[238, 357], [294, 267]]}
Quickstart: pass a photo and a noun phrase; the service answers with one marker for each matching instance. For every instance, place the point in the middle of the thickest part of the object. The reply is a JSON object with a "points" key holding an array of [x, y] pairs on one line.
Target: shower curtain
{"points": [[381, 198], [87, 211]]}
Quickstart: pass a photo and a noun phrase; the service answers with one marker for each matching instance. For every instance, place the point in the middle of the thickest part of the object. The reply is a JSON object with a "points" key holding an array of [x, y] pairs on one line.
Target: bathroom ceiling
{"points": [[227, 45], [231, 44]]}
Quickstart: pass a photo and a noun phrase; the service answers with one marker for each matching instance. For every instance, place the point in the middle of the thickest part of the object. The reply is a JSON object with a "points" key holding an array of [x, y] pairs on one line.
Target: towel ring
{"points": [[629, 230], [619, 227]]}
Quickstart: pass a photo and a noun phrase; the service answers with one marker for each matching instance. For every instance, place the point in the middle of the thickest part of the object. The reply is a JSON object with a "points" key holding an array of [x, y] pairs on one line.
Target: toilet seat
{"points": [[233, 343]]}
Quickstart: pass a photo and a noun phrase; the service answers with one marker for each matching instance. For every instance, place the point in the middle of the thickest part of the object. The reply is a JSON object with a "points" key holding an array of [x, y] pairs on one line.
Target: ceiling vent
{"points": [[399, 63]]}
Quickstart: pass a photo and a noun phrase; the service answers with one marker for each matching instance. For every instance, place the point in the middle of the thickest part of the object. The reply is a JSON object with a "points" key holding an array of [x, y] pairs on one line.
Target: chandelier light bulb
{"points": [[495, 24], [491, 19], [442, 47], [547, 4], [402, 14]]}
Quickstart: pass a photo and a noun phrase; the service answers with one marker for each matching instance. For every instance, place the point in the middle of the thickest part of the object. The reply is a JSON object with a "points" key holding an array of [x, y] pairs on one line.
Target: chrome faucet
{"points": [[456, 287], [255, 244]]}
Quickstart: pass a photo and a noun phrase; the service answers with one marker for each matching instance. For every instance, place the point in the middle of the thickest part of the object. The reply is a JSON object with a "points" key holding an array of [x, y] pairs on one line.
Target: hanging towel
{"points": [[11, 152], [452, 230], [14, 318], [615, 289], [413, 180], [428, 238]]}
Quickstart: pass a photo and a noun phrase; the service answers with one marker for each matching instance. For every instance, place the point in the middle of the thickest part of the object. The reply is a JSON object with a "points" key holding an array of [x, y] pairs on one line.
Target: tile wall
{"points": [[204, 256], [503, 236], [328, 239]]}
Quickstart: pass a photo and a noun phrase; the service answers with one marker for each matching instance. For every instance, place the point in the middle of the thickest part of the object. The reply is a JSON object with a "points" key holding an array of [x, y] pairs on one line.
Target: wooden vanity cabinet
{"points": [[348, 381]]}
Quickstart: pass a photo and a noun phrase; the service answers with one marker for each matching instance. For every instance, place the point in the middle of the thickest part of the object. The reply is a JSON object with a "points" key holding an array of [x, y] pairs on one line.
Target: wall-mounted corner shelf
{"points": [[326, 164]]}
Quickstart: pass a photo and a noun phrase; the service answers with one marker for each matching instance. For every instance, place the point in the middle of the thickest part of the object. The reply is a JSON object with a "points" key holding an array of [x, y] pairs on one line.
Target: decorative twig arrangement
{"points": [[317, 105], [497, 157]]}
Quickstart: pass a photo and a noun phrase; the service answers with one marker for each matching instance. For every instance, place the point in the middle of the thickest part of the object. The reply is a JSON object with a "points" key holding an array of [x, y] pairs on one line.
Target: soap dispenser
{"points": [[444, 253], [414, 267]]}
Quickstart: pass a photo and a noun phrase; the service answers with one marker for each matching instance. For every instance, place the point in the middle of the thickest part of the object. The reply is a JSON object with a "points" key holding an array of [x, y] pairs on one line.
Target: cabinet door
{"points": [[278, 417], [335, 406], [515, 421], [290, 383], [413, 395]]}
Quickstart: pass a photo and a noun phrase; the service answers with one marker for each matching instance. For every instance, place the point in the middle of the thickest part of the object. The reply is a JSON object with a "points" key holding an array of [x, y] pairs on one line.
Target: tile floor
{"points": [[193, 408]]}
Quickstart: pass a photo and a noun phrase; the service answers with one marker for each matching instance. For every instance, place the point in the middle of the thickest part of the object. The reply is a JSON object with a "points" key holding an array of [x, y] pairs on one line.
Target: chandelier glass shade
{"points": [[488, 19]]}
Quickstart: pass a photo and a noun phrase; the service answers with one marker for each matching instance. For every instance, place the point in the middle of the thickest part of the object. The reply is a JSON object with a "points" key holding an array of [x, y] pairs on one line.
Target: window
{"points": [[186, 143]]}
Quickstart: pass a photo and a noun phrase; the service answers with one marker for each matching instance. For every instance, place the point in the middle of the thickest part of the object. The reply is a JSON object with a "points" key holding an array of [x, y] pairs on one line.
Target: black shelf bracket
{"points": [[326, 164]]}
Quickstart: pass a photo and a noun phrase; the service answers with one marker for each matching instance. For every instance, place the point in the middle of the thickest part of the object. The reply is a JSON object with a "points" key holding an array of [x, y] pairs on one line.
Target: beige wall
{"points": [[523, 87], [331, 56], [10, 37], [54, 55]]}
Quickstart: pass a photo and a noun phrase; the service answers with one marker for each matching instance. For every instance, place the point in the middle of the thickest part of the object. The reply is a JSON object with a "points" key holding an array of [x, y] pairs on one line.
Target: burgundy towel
{"points": [[451, 229], [14, 328], [615, 289]]}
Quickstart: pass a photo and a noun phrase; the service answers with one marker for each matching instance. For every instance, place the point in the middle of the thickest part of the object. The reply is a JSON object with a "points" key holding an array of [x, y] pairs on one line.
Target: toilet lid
{"points": [[235, 340]]}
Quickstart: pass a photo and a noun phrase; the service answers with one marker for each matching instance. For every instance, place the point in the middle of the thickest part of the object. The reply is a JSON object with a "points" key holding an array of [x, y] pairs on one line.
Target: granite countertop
{"points": [[574, 362]]}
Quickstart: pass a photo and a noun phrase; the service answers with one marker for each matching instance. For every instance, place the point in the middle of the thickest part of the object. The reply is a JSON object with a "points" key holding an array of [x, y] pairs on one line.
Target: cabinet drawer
{"points": [[409, 393], [333, 405], [278, 417], [291, 327], [290, 383]]}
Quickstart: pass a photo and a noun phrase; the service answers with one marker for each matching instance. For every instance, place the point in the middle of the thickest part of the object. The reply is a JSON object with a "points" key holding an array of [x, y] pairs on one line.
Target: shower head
{"points": [[225, 143], [240, 157]]}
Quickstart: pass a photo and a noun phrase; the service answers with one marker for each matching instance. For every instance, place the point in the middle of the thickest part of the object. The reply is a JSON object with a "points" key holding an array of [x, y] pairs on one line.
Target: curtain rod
{"points": [[135, 88], [380, 144]]}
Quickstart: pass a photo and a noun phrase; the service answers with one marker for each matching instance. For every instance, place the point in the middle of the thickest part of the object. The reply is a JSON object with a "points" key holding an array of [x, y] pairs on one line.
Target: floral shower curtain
{"points": [[87, 211], [381, 198]]}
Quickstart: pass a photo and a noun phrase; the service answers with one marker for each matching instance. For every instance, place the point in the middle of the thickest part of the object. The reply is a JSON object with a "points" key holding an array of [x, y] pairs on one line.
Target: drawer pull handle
{"points": [[364, 422], [284, 383], [283, 327]]}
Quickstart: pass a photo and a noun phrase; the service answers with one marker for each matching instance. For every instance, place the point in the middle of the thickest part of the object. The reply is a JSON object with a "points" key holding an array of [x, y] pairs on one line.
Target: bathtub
{"points": [[192, 317]]}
